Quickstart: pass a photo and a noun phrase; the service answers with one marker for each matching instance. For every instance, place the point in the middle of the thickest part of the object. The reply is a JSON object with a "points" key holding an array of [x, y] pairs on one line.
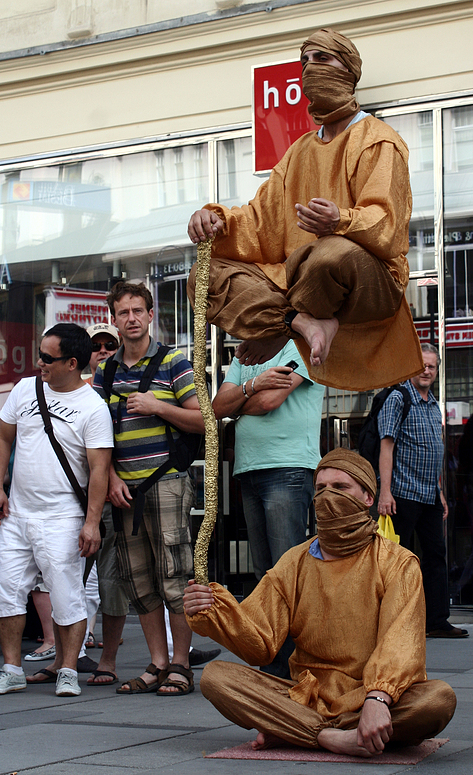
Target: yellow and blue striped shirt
{"points": [[141, 446]]}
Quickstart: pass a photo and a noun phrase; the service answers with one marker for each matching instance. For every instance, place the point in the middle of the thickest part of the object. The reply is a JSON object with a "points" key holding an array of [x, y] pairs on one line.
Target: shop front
{"points": [[73, 225]]}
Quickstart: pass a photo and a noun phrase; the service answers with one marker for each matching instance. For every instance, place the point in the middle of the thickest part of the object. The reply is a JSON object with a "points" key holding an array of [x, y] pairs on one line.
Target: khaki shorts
{"points": [[157, 563], [113, 595]]}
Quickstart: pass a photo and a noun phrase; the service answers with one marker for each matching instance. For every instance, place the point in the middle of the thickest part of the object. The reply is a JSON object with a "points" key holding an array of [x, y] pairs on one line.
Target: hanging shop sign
{"points": [[75, 305], [457, 334], [279, 112]]}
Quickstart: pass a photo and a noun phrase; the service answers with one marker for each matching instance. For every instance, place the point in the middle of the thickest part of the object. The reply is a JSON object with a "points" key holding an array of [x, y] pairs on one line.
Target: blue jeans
{"points": [[275, 504]]}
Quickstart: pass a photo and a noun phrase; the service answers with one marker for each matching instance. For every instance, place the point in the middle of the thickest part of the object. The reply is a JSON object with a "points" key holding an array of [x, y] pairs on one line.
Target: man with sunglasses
{"points": [[41, 522]]}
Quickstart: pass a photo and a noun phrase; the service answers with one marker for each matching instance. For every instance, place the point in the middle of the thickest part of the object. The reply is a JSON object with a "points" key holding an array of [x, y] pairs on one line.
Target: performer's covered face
{"points": [[345, 485], [331, 67]]}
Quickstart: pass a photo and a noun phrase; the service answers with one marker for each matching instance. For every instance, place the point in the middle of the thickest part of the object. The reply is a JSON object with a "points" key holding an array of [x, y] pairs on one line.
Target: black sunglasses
{"points": [[49, 358], [97, 346]]}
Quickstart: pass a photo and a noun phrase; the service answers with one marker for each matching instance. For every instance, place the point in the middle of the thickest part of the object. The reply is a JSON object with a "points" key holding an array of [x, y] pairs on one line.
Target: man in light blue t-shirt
{"points": [[277, 448]]}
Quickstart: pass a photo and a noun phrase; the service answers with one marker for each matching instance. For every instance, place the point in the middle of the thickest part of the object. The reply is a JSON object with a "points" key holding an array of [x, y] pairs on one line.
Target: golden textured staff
{"points": [[211, 434]]}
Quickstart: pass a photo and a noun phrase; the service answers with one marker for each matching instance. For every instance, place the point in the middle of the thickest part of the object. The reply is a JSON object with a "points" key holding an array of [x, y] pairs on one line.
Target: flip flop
{"points": [[97, 674], [181, 686], [50, 677]]}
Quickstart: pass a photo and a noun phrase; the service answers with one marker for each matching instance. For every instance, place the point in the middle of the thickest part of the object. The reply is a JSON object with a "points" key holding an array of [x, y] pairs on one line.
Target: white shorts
{"points": [[29, 545]]}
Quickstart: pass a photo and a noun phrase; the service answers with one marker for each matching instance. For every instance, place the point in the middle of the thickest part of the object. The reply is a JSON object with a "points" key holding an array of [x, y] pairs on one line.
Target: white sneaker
{"points": [[11, 682], [67, 684]]}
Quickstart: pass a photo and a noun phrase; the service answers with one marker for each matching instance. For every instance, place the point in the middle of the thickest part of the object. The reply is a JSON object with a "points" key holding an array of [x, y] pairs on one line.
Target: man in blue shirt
{"points": [[409, 486]]}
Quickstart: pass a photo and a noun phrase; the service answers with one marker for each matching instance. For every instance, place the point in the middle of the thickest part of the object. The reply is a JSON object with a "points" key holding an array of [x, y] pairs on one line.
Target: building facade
{"points": [[119, 120]]}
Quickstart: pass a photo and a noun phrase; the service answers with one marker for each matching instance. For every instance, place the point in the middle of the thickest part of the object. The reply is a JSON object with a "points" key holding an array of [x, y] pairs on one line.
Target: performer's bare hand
{"points": [[375, 727], [197, 598], [320, 217], [203, 224], [386, 503]]}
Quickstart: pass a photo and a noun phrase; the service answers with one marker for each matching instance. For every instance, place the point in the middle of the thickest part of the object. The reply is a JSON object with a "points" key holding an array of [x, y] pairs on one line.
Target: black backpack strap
{"points": [[407, 401], [48, 428], [110, 368], [145, 382], [152, 367]]}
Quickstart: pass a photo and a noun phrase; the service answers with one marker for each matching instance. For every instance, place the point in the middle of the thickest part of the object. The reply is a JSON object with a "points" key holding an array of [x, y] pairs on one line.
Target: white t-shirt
{"points": [[80, 420]]}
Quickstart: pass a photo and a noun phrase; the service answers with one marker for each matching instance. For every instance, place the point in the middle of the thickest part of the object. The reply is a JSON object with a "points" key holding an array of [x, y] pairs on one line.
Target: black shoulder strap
{"points": [[407, 401], [110, 368], [152, 367], [48, 428]]}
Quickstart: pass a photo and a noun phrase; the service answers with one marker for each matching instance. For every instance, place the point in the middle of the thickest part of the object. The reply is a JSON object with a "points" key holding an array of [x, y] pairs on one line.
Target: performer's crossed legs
{"points": [[330, 282], [255, 700]]}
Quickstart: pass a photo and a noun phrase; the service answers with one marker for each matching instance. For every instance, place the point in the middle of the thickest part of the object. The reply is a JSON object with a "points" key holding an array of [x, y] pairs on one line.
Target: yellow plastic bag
{"points": [[386, 528]]}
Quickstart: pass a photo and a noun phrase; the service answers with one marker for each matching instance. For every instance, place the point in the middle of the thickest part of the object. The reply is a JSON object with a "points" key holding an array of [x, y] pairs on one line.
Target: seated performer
{"points": [[353, 603], [319, 254]]}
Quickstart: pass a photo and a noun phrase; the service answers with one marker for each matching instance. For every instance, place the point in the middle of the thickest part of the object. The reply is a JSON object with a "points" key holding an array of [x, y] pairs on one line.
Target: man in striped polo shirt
{"points": [[157, 562]]}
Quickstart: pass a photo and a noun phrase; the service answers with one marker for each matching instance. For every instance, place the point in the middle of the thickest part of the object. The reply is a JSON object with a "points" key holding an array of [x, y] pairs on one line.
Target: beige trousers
{"points": [[331, 277], [255, 700]]}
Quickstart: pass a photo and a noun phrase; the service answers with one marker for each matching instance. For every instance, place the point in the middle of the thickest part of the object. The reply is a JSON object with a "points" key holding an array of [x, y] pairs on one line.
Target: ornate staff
{"points": [[211, 433]]}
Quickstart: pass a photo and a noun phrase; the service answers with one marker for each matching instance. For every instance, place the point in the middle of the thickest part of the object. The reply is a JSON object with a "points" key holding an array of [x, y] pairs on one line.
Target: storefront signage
{"points": [[74, 305], [174, 268], [279, 112], [49, 193], [452, 237], [457, 334]]}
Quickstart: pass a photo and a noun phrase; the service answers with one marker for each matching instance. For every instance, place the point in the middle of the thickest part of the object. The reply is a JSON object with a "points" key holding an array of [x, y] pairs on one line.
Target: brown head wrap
{"points": [[353, 464], [331, 89], [338, 46], [344, 524]]}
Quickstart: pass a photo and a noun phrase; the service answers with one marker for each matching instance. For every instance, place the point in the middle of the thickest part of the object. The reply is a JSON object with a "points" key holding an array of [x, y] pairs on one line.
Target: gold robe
{"points": [[358, 624], [364, 171]]}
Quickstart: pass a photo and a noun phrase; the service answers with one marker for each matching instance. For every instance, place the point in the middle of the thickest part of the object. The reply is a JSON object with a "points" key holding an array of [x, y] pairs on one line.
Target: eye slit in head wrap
{"points": [[353, 464], [337, 45], [329, 89]]}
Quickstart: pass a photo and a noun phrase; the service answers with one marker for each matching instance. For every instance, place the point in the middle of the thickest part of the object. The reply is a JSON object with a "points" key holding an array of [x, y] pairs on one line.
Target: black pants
{"points": [[427, 521]]}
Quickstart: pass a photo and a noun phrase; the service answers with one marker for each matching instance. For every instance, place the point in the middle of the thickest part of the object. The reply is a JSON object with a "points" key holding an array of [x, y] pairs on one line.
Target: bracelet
{"points": [[243, 387], [378, 699], [253, 384]]}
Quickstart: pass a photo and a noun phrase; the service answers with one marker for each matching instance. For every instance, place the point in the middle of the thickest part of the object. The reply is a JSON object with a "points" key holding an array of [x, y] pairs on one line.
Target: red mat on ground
{"points": [[410, 755]]}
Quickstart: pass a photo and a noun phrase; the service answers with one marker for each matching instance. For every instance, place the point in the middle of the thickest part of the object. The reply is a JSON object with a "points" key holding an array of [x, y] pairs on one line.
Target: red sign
{"points": [[457, 334], [279, 112], [75, 305]]}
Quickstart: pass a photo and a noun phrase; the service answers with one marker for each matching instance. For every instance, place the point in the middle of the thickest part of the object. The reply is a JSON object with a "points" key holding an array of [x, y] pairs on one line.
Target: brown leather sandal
{"points": [[181, 686], [138, 686]]}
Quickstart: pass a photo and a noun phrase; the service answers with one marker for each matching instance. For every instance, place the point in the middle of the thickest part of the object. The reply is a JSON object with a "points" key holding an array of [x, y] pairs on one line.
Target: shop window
{"points": [[463, 137]]}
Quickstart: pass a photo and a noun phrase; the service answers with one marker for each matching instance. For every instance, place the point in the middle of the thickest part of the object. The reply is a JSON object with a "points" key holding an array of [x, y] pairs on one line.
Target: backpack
{"points": [[369, 443], [182, 451]]}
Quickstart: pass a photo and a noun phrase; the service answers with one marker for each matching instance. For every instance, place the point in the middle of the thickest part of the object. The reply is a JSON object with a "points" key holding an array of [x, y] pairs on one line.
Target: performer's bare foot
{"points": [[255, 351], [266, 741], [317, 333], [343, 741]]}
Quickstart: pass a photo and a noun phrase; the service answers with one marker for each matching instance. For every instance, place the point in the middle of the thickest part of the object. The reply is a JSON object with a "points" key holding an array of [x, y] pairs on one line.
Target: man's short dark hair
{"points": [[121, 288], [74, 342], [430, 348]]}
